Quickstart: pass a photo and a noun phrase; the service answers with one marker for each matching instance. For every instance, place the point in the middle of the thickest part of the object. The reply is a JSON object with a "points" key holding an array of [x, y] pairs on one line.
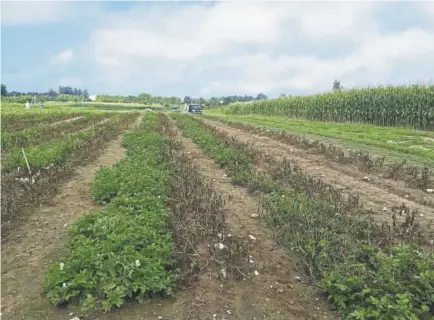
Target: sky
{"points": [[214, 48]]}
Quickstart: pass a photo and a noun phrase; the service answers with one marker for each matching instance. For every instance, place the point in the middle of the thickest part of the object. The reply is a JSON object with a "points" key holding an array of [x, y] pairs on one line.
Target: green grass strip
{"points": [[402, 140]]}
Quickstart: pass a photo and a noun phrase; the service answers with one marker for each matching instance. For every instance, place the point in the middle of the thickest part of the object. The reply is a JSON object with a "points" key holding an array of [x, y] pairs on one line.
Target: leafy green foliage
{"points": [[397, 284], [125, 250], [238, 164]]}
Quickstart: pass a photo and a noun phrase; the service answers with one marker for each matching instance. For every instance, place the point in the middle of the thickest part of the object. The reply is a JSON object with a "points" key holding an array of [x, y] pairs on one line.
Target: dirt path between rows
{"points": [[376, 194], [27, 250], [67, 120]]}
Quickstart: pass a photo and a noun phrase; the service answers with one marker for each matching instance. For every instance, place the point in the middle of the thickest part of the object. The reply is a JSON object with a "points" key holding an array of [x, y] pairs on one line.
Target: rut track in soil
{"points": [[377, 194]]}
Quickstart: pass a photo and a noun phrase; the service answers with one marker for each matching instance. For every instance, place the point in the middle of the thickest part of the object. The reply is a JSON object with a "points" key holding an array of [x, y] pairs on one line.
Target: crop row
{"points": [[51, 163], [415, 175], [144, 241], [57, 151], [36, 135], [15, 122], [366, 270], [411, 106]]}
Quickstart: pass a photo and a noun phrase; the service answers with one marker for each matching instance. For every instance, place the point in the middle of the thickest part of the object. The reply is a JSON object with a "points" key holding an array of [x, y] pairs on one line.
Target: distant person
{"points": [[41, 105], [27, 105]]}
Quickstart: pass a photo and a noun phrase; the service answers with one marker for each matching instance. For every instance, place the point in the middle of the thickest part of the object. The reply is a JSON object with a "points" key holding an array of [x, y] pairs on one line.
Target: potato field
{"points": [[253, 211]]}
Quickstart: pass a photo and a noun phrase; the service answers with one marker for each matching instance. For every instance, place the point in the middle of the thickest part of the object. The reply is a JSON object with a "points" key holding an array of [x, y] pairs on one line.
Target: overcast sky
{"points": [[214, 48]]}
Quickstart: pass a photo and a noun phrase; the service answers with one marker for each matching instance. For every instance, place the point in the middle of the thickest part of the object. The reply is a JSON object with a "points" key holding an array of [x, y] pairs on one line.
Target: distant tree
{"points": [[336, 85], [145, 98], [282, 95], [52, 93], [4, 91], [261, 96], [187, 99]]}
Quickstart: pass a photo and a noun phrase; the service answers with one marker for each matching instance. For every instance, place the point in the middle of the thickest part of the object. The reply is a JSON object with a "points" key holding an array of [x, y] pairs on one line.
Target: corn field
{"points": [[410, 106]]}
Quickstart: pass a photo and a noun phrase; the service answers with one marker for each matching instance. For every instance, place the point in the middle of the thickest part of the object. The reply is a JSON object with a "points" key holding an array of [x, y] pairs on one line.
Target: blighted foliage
{"points": [[339, 245], [201, 235]]}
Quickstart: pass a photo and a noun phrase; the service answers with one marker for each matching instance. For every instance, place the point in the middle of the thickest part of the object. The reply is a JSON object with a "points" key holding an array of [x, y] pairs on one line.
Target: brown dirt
{"points": [[376, 194], [67, 120]]}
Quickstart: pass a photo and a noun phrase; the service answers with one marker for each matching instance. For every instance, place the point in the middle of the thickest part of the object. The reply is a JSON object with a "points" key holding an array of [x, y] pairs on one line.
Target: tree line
{"points": [[65, 93], [148, 99], [143, 98], [223, 100]]}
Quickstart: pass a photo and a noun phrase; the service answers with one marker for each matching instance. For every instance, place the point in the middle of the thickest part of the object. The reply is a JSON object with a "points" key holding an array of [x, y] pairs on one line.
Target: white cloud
{"points": [[187, 34], [143, 41], [429, 7], [372, 63], [328, 20], [62, 57], [14, 13]]}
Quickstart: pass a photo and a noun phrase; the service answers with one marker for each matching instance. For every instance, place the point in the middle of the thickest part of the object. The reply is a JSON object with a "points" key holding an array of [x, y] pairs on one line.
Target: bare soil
{"points": [[375, 192]]}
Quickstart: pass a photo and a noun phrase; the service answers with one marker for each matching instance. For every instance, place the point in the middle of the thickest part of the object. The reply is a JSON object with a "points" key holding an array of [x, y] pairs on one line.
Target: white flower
{"points": [[64, 284], [61, 265], [220, 246], [137, 263]]}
